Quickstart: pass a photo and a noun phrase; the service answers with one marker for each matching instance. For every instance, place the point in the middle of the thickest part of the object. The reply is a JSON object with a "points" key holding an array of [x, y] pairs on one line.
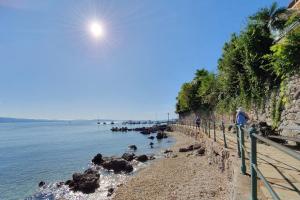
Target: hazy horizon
{"points": [[91, 119]]}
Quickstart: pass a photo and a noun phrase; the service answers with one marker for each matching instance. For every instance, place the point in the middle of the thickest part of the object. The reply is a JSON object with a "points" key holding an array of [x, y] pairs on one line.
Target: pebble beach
{"points": [[180, 175]]}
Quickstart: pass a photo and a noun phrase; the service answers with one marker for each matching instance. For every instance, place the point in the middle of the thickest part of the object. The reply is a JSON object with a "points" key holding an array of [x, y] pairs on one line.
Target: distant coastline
{"points": [[11, 120]]}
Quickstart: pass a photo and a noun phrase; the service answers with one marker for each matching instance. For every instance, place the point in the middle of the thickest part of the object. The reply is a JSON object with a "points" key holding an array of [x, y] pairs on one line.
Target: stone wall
{"points": [[290, 116], [190, 117], [290, 111]]}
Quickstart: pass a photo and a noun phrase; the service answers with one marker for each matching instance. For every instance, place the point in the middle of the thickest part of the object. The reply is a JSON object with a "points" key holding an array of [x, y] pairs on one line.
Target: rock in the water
{"points": [[151, 137], [86, 182], [142, 158], [122, 129], [110, 191], [128, 156], [97, 159], [161, 135], [145, 132], [59, 184], [41, 184], [133, 147], [151, 157], [117, 165], [151, 143], [69, 183]]}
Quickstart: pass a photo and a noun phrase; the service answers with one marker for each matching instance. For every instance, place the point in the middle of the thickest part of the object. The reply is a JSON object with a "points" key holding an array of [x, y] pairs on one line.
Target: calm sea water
{"points": [[53, 151]]}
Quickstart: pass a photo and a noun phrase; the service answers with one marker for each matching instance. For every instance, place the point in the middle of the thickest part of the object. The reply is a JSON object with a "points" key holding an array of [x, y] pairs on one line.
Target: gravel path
{"points": [[183, 177]]}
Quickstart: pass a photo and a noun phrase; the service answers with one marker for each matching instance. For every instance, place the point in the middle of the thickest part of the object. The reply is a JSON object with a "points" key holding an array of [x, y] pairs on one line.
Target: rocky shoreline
{"points": [[182, 173], [88, 182]]}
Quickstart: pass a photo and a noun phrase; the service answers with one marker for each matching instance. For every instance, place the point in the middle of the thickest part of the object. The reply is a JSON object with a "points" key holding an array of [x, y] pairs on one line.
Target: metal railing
{"points": [[254, 170], [284, 32], [206, 126]]}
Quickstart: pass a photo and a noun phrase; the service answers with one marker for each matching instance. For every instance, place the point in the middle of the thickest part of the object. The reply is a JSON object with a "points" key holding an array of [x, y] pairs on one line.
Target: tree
{"points": [[284, 58], [269, 17]]}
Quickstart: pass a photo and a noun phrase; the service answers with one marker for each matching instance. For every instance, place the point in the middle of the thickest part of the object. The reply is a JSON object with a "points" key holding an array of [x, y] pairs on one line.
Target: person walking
{"points": [[198, 122], [241, 117]]}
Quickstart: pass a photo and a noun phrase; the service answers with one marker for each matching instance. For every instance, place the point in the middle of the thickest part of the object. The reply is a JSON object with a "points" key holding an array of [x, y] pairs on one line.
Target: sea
{"points": [[52, 151]]}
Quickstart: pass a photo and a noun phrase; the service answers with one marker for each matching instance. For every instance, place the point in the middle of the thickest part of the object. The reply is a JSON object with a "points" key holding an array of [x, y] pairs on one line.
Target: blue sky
{"points": [[52, 67]]}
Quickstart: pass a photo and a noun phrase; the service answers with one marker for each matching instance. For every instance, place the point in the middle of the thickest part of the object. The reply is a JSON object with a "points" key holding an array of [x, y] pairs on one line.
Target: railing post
{"points": [[215, 139], [253, 163], [209, 128], [242, 148], [238, 141], [223, 130]]}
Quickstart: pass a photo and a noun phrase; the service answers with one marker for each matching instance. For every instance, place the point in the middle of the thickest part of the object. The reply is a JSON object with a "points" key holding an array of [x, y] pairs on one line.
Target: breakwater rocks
{"points": [[111, 163], [88, 181], [143, 130]]}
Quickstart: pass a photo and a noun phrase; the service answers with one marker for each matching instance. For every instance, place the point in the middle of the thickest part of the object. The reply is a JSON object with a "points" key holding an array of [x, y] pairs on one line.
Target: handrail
{"points": [[267, 184], [253, 165], [293, 128], [286, 150], [294, 139], [252, 133]]}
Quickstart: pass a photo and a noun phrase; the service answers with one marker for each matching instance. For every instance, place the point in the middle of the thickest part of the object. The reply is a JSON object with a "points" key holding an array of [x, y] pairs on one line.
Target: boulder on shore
{"points": [[117, 165], [86, 182], [142, 158], [190, 148], [110, 191], [128, 156], [41, 184], [161, 135], [98, 159], [196, 146], [200, 152], [183, 149], [168, 151]]}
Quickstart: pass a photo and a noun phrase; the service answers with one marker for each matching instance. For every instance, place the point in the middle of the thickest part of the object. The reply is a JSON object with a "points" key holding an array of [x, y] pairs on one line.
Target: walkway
{"points": [[281, 170]]}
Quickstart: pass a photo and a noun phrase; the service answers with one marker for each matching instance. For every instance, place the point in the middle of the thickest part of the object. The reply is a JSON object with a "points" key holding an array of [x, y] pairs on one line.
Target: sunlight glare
{"points": [[96, 29]]}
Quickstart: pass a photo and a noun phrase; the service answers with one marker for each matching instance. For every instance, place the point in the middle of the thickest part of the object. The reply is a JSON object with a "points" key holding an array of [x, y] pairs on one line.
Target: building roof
{"points": [[294, 4]]}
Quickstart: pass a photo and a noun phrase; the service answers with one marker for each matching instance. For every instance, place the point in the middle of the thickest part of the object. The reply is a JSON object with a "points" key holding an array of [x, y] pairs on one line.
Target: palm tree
{"points": [[270, 17]]}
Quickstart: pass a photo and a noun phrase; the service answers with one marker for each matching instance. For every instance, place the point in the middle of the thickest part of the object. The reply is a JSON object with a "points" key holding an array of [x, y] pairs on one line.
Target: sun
{"points": [[96, 29]]}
